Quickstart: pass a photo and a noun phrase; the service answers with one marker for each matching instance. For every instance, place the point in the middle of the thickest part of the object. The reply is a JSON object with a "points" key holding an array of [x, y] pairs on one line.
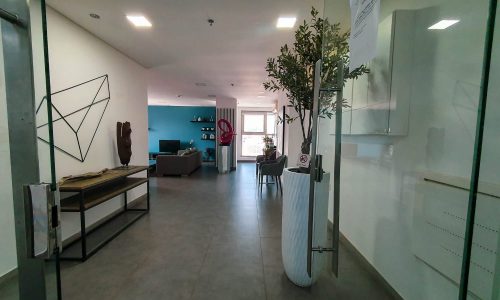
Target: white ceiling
{"points": [[181, 49]]}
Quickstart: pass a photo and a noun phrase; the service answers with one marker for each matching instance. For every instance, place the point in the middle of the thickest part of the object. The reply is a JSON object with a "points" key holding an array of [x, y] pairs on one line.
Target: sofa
{"points": [[184, 163]]}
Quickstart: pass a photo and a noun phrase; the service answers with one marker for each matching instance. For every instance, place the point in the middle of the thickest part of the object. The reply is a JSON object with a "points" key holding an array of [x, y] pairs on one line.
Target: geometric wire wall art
{"points": [[77, 112]]}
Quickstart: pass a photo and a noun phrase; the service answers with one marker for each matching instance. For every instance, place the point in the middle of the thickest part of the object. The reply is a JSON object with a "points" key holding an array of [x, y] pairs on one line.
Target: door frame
{"points": [[19, 83]]}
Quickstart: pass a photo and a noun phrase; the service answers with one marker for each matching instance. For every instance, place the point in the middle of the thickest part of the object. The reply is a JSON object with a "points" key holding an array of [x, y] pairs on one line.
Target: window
{"points": [[253, 123], [256, 125]]}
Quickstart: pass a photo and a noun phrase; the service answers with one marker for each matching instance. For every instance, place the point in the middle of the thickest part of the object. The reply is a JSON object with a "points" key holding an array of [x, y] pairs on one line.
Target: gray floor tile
{"points": [[208, 236]]}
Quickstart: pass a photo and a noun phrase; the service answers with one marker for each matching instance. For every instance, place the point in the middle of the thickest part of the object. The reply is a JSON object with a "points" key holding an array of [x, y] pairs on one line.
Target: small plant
{"points": [[267, 140], [293, 71]]}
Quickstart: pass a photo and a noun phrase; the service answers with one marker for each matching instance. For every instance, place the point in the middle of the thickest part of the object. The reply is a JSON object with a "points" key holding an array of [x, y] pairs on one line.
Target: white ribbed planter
{"points": [[294, 226]]}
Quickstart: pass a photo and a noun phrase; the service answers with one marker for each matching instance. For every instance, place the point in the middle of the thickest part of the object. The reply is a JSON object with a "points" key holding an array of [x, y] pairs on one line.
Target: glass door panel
{"points": [[8, 258], [484, 266], [403, 190], [22, 162]]}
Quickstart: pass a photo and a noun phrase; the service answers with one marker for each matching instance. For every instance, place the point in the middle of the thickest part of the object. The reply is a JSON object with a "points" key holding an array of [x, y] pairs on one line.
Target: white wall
{"points": [[8, 259], [77, 56], [382, 190]]}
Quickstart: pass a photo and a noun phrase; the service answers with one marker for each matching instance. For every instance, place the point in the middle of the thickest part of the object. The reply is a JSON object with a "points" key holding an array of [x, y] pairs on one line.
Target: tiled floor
{"points": [[207, 236]]}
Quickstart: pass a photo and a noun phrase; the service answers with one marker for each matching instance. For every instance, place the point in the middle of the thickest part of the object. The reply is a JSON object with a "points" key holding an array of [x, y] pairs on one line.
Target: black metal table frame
{"points": [[83, 229]]}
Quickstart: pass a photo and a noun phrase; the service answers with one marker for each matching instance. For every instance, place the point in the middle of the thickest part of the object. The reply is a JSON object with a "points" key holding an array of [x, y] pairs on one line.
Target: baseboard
{"points": [[367, 265], [8, 276]]}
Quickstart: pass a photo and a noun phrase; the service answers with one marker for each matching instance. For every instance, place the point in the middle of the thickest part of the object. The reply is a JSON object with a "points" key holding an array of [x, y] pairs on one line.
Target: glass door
{"points": [[400, 170], [28, 219], [481, 259]]}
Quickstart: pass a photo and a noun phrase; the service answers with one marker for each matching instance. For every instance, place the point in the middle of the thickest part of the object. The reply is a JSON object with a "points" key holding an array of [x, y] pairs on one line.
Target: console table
{"points": [[82, 195]]}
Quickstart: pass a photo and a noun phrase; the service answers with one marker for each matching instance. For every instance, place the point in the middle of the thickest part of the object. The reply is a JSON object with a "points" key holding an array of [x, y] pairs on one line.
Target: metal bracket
{"points": [[320, 249], [11, 18], [318, 168], [330, 90]]}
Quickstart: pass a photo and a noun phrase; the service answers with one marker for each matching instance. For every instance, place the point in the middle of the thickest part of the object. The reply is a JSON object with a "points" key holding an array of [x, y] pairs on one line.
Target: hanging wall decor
{"points": [[77, 113]]}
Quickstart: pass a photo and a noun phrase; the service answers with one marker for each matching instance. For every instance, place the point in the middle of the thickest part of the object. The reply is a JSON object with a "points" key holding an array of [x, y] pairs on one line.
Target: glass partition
{"points": [[484, 267], [408, 149], [22, 162], [8, 257]]}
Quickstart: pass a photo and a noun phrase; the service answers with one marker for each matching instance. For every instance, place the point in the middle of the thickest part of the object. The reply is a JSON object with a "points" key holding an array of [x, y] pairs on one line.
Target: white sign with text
{"points": [[364, 28], [304, 161]]}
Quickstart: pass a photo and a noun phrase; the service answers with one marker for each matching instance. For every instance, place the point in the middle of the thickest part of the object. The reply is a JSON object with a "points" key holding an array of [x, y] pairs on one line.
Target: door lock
{"points": [[42, 208]]}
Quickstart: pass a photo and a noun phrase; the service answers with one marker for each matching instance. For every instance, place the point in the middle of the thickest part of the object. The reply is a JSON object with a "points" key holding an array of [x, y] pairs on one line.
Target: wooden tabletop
{"points": [[109, 175]]}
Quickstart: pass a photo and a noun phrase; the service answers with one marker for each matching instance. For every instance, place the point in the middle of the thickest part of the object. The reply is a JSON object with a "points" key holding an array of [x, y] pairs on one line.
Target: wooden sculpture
{"points": [[124, 142]]}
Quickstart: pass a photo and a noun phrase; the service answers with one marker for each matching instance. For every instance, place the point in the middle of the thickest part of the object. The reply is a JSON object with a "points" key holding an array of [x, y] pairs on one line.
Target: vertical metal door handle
{"points": [[336, 169], [315, 112]]}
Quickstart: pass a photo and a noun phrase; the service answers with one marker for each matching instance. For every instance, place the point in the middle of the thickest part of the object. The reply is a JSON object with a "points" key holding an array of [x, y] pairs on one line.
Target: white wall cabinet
{"points": [[379, 101]]}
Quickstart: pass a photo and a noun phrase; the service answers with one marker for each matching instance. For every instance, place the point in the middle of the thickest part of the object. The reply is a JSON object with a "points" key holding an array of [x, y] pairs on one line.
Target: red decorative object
{"points": [[227, 134]]}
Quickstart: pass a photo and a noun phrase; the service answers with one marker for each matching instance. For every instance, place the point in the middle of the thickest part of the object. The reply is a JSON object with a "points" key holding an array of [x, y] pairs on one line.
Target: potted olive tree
{"points": [[292, 72]]}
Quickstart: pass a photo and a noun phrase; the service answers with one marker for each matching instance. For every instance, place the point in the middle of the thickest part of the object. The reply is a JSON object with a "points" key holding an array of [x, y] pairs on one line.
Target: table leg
{"points": [[147, 195], [125, 200], [83, 233]]}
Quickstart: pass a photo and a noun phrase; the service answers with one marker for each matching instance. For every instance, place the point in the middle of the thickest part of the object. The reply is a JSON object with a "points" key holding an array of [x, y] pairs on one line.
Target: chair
{"points": [[274, 169], [261, 158], [258, 160]]}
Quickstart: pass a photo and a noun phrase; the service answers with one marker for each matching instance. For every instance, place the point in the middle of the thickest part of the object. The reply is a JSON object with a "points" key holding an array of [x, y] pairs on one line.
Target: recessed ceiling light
{"points": [[443, 24], [261, 96], [286, 22], [95, 16], [139, 21]]}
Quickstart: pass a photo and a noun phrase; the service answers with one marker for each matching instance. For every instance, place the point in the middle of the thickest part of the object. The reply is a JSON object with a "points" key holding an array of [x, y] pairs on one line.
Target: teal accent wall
{"points": [[173, 123]]}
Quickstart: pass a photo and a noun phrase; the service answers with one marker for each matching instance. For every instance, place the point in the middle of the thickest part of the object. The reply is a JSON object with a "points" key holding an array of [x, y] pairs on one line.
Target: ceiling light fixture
{"points": [[443, 24], [261, 96], [139, 21], [286, 22]]}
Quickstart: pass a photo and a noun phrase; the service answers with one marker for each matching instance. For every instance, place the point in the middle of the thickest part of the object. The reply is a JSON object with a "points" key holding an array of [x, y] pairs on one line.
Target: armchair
{"points": [[273, 168]]}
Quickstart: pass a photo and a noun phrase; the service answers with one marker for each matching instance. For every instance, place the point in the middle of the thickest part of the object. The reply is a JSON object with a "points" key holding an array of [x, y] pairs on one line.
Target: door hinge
{"points": [[320, 249], [55, 216], [11, 18]]}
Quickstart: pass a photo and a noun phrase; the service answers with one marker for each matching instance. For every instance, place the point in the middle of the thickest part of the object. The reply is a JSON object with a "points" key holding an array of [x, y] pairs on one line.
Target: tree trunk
{"points": [[305, 148]]}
